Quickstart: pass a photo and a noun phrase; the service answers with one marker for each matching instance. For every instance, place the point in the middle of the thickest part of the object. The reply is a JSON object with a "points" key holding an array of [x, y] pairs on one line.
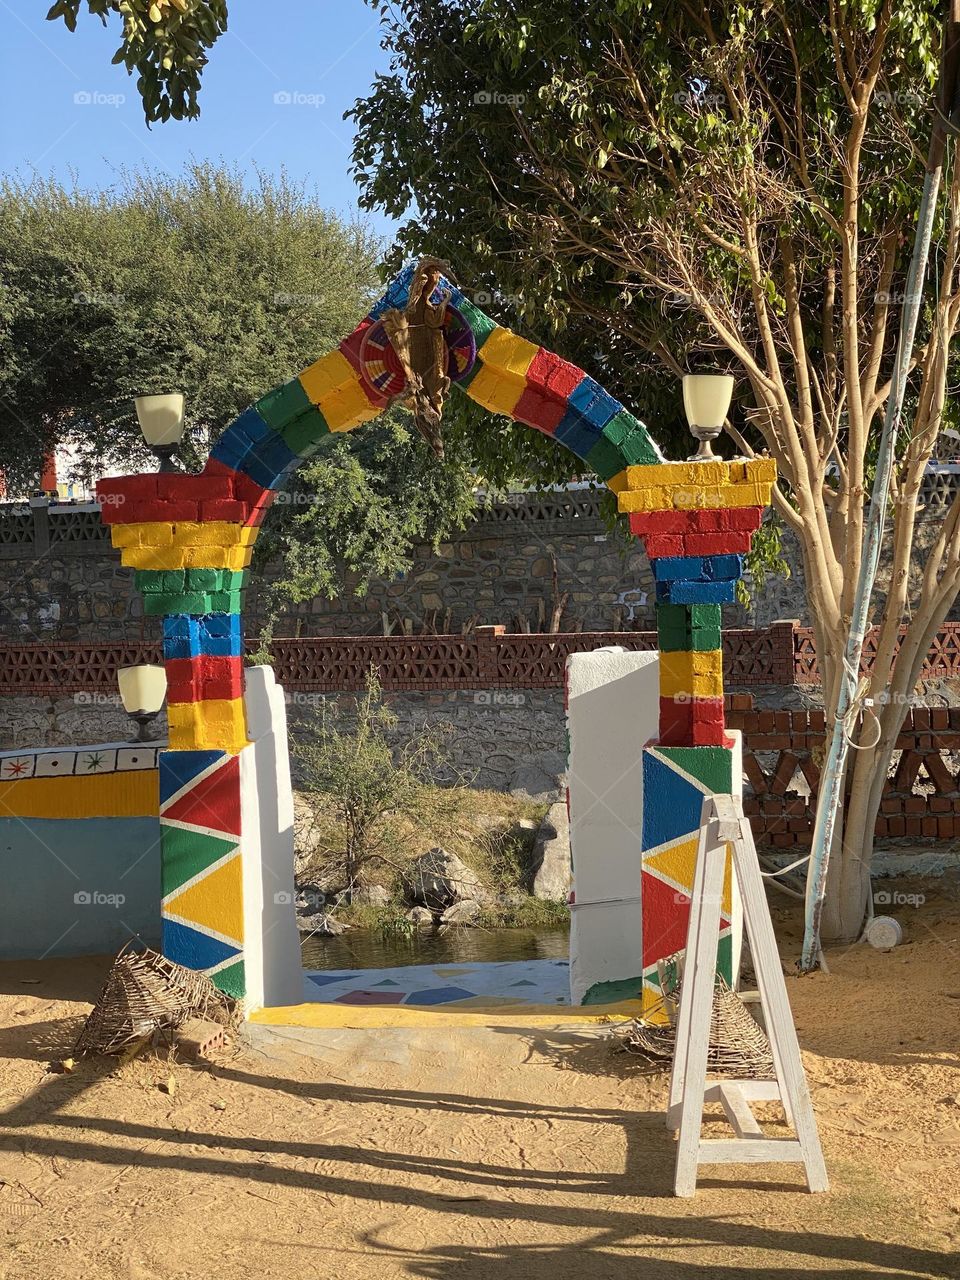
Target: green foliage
{"points": [[164, 41], [559, 154], [764, 558], [356, 510], [348, 770], [194, 283], [526, 913]]}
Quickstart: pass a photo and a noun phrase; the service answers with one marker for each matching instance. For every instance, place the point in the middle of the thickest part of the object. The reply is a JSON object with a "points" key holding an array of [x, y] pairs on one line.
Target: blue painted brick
{"points": [[220, 634], [180, 636], [267, 460], [593, 403], [696, 592], [721, 568], [576, 433], [674, 568]]}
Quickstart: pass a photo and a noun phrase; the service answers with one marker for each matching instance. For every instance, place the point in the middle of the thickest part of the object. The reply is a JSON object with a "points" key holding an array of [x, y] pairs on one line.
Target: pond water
{"points": [[370, 949]]}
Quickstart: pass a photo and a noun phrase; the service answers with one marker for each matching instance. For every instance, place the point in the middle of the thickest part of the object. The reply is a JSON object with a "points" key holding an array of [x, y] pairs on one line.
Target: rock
{"points": [[437, 879], [462, 913], [540, 777], [374, 895], [550, 865], [322, 925], [422, 916]]}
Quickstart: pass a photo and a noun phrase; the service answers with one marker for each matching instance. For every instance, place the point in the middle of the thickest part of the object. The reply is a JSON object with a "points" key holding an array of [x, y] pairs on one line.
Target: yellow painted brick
{"points": [[508, 353], [652, 499], [125, 535], [326, 375], [761, 470], [667, 473], [745, 495], [498, 392], [698, 675], [217, 724], [617, 483], [347, 407], [159, 534]]}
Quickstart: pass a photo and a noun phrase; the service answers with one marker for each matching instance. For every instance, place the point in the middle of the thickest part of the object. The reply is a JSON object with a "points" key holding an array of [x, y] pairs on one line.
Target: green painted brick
{"points": [[605, 459], [225, 602], [186, 853], [305, 433], [283, 405], [638, 450], [713, 766], [169, 602], [480, 323], [232, 980]]}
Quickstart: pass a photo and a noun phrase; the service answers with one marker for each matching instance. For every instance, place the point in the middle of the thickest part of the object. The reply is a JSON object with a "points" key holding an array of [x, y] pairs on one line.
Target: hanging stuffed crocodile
{"points": [[417, 336]]}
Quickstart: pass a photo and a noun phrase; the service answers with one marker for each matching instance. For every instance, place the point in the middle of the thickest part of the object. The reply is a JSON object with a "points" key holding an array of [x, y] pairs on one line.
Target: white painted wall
{"points": [[612, 712], [271, 941]]}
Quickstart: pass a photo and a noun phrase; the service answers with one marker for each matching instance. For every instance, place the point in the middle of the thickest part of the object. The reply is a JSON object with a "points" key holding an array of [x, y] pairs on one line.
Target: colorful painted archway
{"points": [[190, 538]]}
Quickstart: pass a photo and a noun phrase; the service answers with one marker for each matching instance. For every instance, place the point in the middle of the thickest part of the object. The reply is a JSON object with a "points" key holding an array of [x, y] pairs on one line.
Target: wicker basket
{"points": [[145, 993]]}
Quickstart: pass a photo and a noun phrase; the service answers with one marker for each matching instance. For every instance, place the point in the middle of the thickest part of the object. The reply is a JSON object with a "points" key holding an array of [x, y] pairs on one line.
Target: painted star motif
{"points": [[16, 768], [94, 761]]}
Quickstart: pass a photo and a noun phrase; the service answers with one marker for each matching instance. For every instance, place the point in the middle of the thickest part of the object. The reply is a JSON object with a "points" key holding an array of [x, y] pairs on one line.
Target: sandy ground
{"points": [[476, 1151]]}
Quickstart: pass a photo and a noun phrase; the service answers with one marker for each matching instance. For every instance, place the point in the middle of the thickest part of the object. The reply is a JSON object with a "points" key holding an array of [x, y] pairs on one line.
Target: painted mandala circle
{"points": [[380, 366], [462, 345]]}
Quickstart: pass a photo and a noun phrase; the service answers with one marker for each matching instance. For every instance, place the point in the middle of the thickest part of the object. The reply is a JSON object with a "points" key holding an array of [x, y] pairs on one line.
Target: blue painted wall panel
{"points": [[61, 881]]}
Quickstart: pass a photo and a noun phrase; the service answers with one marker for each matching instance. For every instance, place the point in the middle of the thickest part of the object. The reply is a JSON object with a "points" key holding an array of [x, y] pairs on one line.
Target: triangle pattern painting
{"points": [[202, 867], [674, 785]]}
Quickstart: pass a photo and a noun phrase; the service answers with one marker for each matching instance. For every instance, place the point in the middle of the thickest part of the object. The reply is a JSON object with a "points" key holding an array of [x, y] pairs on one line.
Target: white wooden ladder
{"points": [[723, 823]]}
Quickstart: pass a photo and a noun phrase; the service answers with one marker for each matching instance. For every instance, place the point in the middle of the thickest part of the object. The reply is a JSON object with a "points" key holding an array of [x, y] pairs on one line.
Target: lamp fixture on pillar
{"points": [[161, 421], [142, 691], [706, 400]]}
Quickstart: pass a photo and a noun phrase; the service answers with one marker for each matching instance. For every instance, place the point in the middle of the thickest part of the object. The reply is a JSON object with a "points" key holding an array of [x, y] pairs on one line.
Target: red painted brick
{"points": [[224, 509], [731, 542], [193, 488], [129, 488], [540, 410], [667, 544], [549, 373]]}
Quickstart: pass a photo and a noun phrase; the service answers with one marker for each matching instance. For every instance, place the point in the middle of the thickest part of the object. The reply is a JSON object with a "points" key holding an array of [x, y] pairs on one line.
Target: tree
{"points": [[727, 182], [164, 41], [348, 770]]}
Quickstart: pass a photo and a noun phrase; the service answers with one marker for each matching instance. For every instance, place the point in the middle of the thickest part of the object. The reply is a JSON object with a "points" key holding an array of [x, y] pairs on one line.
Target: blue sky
{"points": [[61, 115]]}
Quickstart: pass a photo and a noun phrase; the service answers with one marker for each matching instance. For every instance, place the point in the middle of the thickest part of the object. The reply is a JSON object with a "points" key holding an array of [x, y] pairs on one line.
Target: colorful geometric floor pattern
{"points": [[676, 779], [487, 985], [202, 869]]}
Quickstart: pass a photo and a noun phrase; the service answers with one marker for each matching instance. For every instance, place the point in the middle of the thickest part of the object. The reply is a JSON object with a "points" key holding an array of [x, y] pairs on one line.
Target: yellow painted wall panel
{"points": [[326, 375], [508, 352], [134, 793]]}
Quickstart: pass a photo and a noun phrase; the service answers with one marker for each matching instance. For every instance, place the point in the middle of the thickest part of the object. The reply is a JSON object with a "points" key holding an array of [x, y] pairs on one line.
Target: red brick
{"points": [[928, 826], [945, 827], [549, 373], [224, 509], [913, 826], [667, 544], [897, 825], [129, 488], [717, 544], [176, 487], [540, 410]]}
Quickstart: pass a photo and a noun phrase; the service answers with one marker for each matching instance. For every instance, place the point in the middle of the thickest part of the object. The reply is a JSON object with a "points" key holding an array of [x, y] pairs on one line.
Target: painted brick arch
{"points": [[190, 539]]}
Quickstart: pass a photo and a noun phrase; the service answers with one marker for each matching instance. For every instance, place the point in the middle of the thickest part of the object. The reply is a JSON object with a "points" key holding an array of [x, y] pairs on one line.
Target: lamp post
{"points": [[142, 691], [161, 421], [706, 401]]}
